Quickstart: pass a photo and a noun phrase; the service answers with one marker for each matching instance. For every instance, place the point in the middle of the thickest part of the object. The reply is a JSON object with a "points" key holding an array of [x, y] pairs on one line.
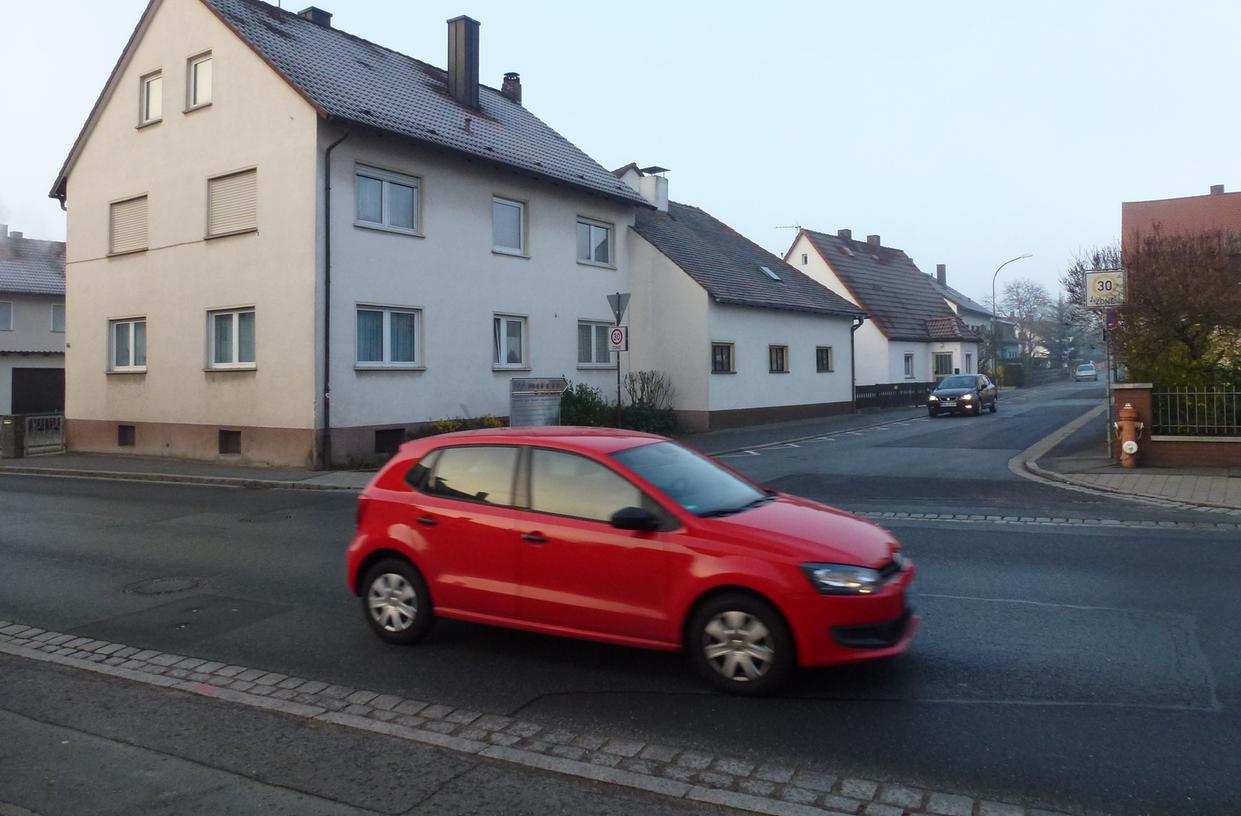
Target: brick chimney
{"points": [[463, 60], [873, 240], [941, 274], [317, 16], [1217, 189], [845, 234], [512, 86]]}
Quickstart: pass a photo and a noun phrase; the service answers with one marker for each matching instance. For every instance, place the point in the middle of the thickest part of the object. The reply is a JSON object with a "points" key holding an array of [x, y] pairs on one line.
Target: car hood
{"points": [[952, 392], [809, 531]]}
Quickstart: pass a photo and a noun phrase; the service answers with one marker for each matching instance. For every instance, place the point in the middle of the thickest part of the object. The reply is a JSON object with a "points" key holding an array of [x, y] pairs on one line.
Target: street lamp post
{"points": [[995, 347]]}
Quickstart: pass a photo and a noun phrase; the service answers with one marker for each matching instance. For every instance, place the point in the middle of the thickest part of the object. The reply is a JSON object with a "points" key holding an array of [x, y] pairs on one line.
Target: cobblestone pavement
{"points": [[716, 779]]}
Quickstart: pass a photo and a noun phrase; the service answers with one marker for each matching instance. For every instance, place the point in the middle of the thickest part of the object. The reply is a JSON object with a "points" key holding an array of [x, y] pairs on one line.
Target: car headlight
{"points": [[842, 579], [934, 398], [967, 397]]}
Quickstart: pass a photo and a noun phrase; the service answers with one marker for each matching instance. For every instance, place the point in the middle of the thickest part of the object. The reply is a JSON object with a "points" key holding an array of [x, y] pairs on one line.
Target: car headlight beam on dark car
{"points": [[842, 579]]}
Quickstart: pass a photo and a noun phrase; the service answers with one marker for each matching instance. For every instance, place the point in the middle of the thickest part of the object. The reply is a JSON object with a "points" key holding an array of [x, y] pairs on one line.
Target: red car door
{"points": [[465, 510], [577, 572]]}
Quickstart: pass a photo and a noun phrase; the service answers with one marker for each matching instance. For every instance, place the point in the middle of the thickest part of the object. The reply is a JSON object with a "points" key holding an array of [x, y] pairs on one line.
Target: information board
{"points": [[535, 401]]}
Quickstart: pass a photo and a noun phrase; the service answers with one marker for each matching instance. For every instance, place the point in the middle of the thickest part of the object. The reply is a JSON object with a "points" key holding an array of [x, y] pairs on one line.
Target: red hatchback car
{"points": [[626, 538]]}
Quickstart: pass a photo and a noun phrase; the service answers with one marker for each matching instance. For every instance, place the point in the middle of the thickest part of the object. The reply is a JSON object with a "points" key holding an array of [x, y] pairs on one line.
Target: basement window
{"points": [[388, 440], [230, 442], [125, 436]]}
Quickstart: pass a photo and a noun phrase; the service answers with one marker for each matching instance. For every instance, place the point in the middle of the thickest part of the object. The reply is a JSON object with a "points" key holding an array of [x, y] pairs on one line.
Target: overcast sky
{"points": [[964, 133]]}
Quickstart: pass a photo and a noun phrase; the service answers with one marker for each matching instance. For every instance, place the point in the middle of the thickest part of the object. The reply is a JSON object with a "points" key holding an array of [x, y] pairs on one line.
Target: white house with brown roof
{"points": [[911, 335], [289, 245], [744, 336], [32, 324]]}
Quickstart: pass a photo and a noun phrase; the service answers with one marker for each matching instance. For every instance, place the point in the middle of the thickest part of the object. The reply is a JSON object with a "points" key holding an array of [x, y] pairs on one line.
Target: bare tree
{"points": [[1182, 321], [1027, 304]]}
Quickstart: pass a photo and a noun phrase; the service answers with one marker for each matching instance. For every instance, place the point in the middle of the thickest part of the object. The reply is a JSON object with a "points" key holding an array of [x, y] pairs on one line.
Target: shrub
{"points": [[584, 405], [661, 421], [650, 389], [443, 426]]}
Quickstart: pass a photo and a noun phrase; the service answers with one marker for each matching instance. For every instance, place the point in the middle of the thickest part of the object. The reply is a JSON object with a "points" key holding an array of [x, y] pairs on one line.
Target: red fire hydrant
{"points": [[1129, 428]]}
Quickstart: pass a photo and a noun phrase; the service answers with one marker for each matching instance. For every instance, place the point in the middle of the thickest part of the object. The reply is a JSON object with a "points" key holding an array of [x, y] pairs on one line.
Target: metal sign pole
{"points": [[1107, 376], [618, 302]]}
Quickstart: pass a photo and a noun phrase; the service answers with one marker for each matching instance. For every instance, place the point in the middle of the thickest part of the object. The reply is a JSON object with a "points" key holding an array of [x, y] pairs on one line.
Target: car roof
{"points": [[598, 440]]}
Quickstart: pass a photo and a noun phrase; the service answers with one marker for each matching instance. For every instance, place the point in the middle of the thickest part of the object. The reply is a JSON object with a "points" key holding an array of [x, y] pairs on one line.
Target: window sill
{"points": [[826, 371], [389, 367], [366, 225], [195, 108], [777, 372], [510, 253], [148, 123], [126, 252], [245, 231], [230, 369], [723, 372], [501, 369], [580, 262], [123, 372], [596, 367]]}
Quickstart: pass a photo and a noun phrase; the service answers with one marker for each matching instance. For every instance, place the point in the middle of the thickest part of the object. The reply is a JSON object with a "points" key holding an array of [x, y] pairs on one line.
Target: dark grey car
{"points": [[964, 394]]}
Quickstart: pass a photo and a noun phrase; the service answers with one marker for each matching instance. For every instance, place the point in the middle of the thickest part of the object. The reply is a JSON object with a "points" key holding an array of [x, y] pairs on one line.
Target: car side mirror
{"points": [[635, 518]]}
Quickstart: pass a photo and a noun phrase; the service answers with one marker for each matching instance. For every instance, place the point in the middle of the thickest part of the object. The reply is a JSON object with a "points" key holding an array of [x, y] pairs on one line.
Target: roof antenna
{"points": [[794, 226]]}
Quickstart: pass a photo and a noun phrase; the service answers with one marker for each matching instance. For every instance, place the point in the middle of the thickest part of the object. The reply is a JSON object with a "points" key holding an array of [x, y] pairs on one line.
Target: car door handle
{"points": [[535, 537], [427, 521]]}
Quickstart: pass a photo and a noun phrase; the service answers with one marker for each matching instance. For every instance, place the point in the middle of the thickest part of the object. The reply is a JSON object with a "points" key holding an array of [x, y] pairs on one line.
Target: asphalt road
{"points": [[1094, 667]]}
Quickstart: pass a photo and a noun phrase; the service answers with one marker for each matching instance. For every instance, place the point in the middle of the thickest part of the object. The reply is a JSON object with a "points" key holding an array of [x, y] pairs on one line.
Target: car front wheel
{"points": [[740, 644], [396, 602]]}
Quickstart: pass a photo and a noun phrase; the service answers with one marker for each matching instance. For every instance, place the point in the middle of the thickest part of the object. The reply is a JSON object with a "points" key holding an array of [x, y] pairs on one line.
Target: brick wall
{"points": [[1171, 452]]}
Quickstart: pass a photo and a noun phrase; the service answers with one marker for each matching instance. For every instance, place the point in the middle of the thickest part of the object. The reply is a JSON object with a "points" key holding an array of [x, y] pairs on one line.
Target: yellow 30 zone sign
{"points": [[1105, 289]]}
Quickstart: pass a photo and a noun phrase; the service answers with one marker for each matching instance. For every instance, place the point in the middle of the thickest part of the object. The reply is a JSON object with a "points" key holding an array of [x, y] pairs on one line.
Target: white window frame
{"points": [[969, 363], [831, 360], [909, 365], [499, 351], [144, 98], [191, 81], [732, 357], [386, 179], [387, 361], [521, 209], [594, 350], [594, 224], [52, 319], [12, 308], [936, 356], [131, 368], [805, 259], [236, 364]]}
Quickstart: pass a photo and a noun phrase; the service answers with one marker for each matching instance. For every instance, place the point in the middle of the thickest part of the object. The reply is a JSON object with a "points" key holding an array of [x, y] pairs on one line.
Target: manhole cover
{"points": [[164, 586]]}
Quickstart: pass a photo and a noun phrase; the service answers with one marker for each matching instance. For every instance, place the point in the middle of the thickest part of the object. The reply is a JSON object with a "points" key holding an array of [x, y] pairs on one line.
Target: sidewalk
{"points": [[167, 469], [1077, 455]]}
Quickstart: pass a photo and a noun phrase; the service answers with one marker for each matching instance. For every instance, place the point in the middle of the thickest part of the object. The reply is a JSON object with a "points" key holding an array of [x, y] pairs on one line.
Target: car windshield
{"points": [[962, 381], [692, 481]]}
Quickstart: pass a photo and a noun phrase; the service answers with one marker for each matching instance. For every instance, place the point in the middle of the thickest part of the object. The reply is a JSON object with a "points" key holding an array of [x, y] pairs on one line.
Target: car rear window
{"points": [[476, 473]]}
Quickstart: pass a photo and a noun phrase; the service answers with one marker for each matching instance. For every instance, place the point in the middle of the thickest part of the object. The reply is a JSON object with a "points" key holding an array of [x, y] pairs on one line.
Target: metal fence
{"points": [[44, 433], [1203, 411], [892, 395]]}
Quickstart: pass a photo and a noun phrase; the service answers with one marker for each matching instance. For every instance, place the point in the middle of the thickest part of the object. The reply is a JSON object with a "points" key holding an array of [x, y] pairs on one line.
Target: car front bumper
{"points": [[835, 629]]}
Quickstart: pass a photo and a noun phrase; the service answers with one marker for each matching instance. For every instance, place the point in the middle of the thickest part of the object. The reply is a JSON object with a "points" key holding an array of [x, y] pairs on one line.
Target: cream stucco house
{"points": [[911, 334], [289, 245]]}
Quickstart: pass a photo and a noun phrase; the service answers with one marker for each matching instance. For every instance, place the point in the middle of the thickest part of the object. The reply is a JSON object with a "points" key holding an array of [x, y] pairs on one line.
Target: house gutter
{"points": [[857, 324], [326, 453]]}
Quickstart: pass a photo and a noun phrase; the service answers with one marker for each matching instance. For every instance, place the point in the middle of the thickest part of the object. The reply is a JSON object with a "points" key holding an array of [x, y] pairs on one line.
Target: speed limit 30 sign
{"points": [[1105, 289], [618, 338]]}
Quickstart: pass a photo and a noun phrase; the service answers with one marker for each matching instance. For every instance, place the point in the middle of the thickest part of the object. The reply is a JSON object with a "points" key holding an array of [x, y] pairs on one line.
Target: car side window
{"points": [[417, 475], [475, 473], [566, 484]]}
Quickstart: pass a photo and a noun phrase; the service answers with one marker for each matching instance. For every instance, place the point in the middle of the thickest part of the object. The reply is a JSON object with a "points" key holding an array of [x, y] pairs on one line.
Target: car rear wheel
{"points": [[396, 603], [740, 644]]}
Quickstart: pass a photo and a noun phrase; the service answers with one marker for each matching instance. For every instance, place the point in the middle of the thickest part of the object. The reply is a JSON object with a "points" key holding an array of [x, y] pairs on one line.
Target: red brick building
{"points": [[1217, 210]]}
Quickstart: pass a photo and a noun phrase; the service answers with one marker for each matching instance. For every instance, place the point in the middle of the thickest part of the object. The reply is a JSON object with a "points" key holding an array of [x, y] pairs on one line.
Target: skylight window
{"points": [[767, 271]]}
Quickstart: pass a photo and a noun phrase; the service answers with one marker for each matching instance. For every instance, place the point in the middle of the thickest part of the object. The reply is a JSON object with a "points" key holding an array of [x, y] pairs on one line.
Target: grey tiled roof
{"points": [[896, 295], [353, 80], [31, 266], [726, 263], [961, 300]]}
